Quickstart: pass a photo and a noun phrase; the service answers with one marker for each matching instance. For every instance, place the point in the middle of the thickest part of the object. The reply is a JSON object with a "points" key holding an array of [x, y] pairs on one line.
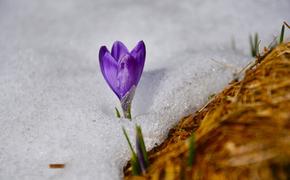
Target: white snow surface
{"points": [[55, 106]]}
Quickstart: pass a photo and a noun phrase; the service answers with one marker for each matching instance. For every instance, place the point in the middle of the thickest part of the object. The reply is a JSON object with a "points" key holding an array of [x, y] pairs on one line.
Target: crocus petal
{"points": [[102, 52], [139, 53], [119, 50], [109, 69], [127, 74]]}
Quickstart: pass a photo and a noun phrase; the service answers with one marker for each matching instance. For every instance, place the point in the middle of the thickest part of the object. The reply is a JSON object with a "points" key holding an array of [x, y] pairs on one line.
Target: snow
{"points": [[55, 106]]}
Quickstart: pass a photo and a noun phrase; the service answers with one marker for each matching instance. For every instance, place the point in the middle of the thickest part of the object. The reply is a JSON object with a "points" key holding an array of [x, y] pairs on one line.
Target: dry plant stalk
{"points": [[243, 133], [56, 166]]}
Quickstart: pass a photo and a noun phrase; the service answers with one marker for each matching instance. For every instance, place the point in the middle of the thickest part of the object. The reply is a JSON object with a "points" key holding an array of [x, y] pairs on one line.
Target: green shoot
{"points": [[282, 34], [142, 146], [254, 44], [136, 170], [139, 160], [128, 140], [211, 96], [118, 115], [134, 160], [191, 156]]}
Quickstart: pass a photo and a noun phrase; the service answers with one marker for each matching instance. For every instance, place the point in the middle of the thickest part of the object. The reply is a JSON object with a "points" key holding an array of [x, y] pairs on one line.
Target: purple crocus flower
{"points": [[122, 70]]}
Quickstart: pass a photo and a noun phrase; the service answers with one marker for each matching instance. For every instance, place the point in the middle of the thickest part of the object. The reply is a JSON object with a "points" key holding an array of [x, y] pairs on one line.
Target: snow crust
{"points": [[55, 106]]}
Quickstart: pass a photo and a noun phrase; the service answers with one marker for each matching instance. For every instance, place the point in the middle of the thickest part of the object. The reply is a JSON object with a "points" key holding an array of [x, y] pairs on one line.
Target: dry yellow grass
{"points": [[243, 133]]}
